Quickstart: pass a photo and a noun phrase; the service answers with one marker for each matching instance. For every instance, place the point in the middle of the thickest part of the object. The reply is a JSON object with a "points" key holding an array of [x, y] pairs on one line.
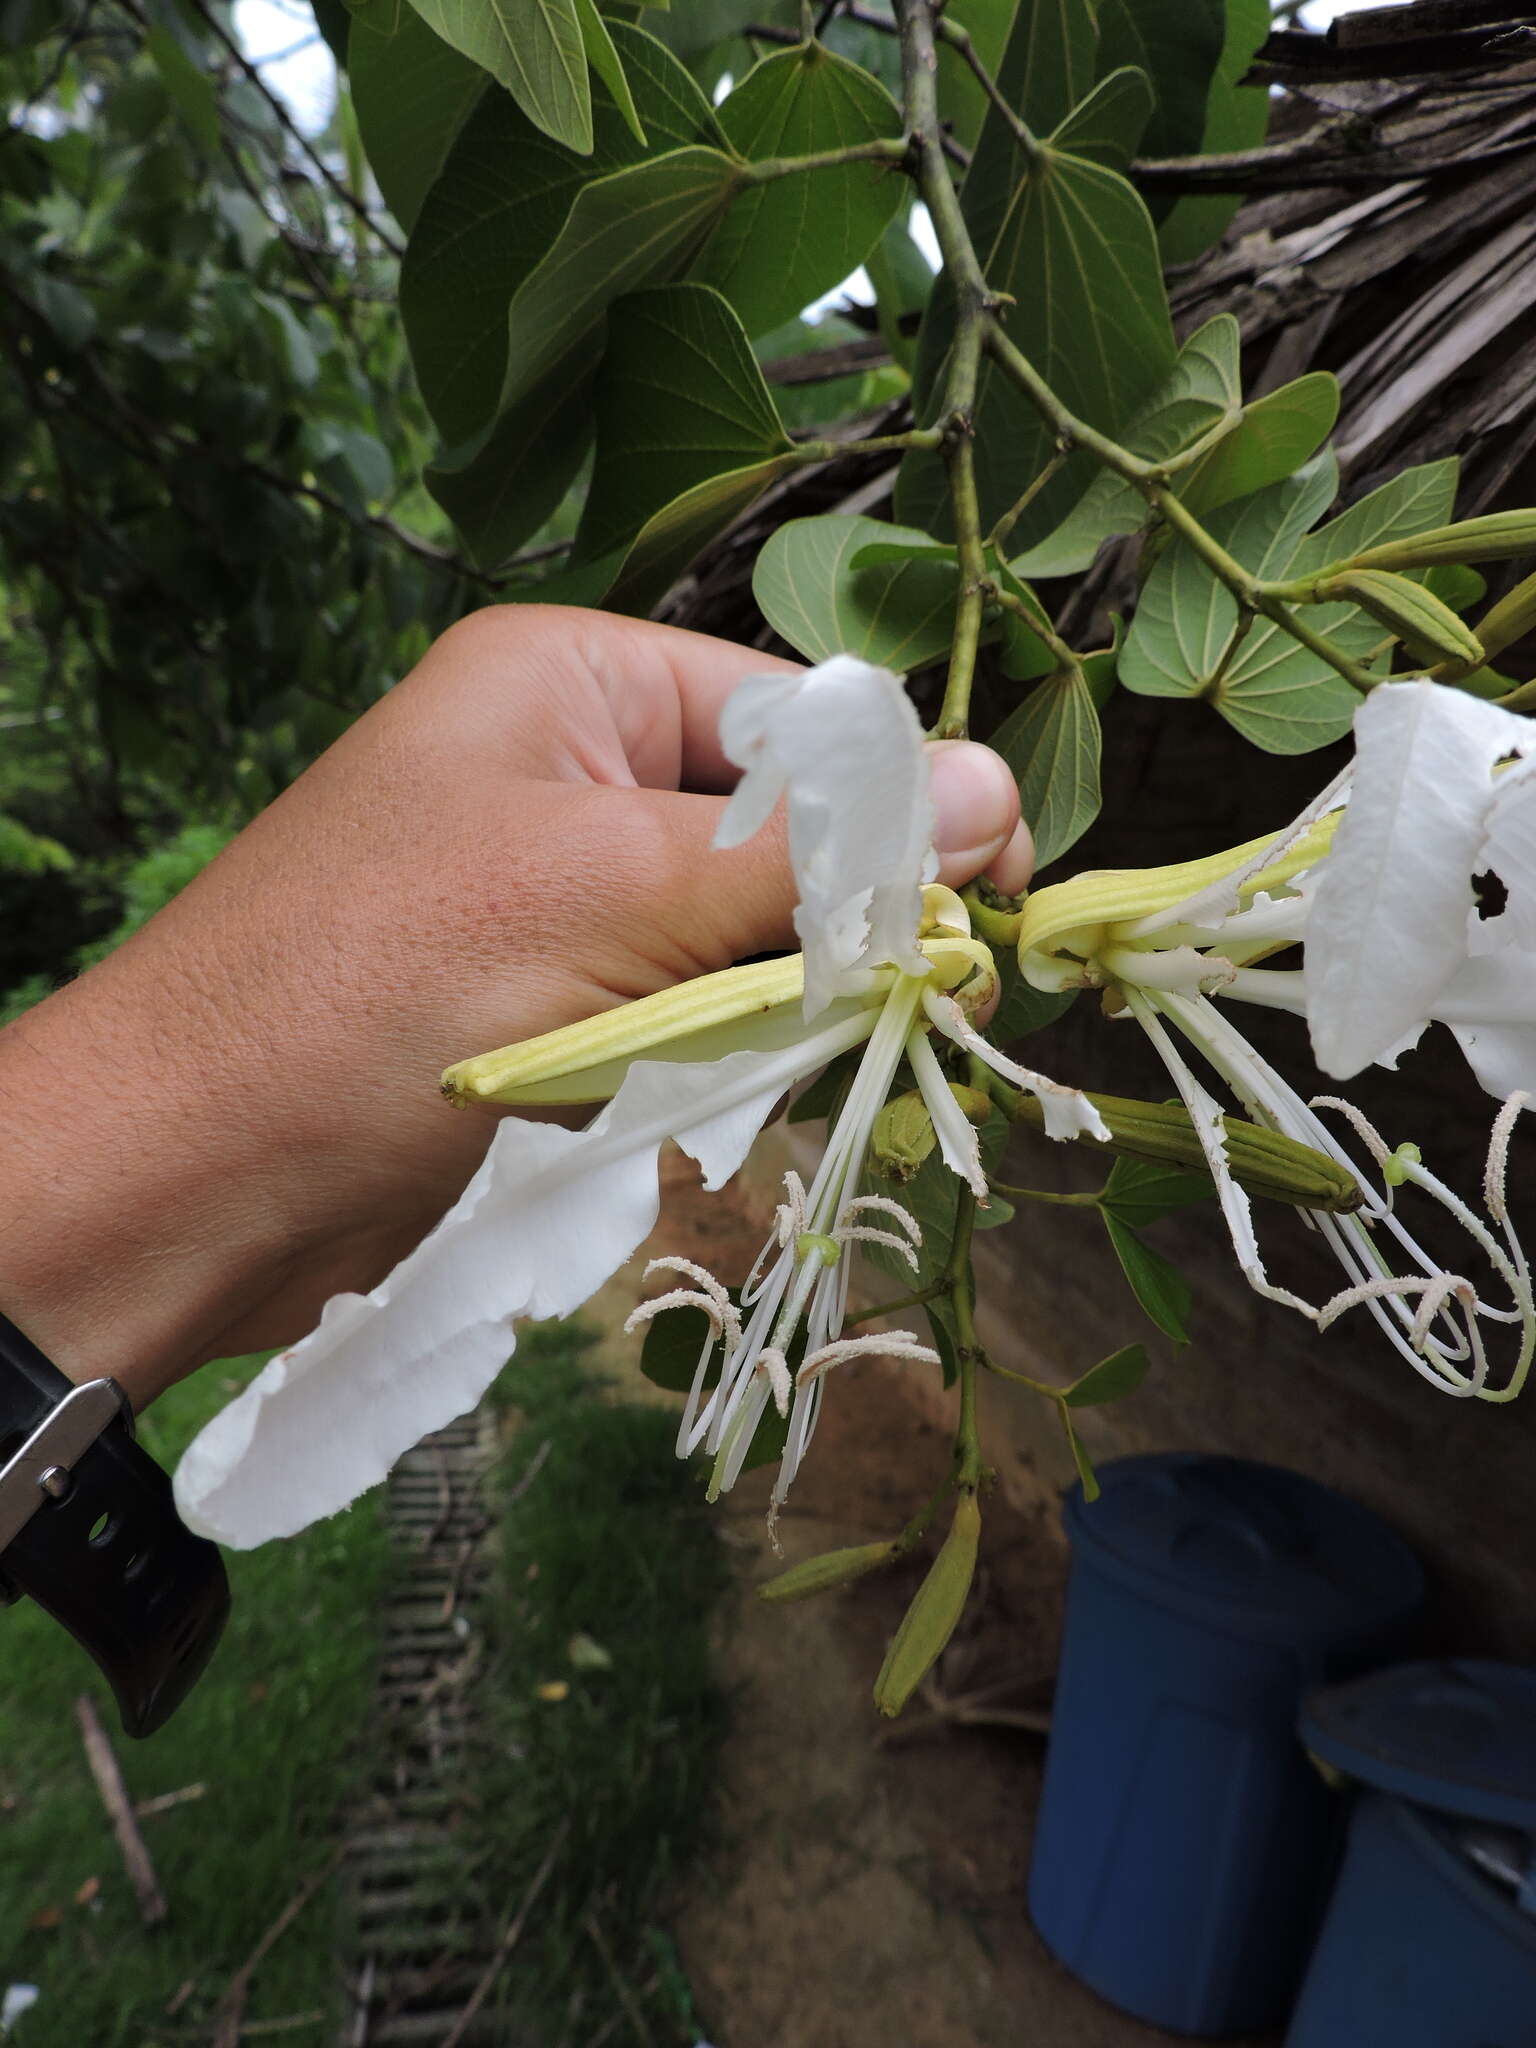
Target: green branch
{"points": [[973, 311]]}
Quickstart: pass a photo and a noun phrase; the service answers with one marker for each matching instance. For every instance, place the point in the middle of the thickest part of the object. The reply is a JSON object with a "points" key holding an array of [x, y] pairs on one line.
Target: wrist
{"points": [[119, 1239]]}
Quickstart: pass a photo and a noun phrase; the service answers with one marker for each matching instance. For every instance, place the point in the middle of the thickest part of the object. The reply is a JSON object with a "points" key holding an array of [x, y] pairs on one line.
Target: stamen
{"points": [[707, 1294], [774, 1367], [892, 1344], [1498, 1155], [1363, 1128]]}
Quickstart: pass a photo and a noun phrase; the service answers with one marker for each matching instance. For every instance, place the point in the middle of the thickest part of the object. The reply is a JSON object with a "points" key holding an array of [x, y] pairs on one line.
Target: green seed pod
{"points": [[821, 1574], [1494, 537], [1429, 630], [930, 1621], [1265, 1163]]}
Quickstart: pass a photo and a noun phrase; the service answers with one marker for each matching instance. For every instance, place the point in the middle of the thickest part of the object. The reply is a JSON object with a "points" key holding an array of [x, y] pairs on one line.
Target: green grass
{"points": [[611, 1545], [271, 1732]]}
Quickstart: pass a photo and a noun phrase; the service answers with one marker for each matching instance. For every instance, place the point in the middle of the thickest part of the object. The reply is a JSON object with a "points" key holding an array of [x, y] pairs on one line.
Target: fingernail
{"points": [[975, 802]]}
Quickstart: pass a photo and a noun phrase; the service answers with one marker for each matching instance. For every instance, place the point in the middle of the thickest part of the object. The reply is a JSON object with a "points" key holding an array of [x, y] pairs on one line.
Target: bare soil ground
{"points": [[869, 1888]]}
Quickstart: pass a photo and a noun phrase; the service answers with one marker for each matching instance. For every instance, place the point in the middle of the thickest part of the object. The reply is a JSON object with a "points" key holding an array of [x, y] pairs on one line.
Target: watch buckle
{"points": [[39, 1471]]}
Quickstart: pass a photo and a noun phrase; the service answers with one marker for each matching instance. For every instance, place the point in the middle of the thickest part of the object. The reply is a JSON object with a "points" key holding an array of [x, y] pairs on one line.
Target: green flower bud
{"points": [[903, 1136], [821, 1574], [930, 1621], [1265, 1163], [1494, 537], [1510, 619], [1429, 630]]}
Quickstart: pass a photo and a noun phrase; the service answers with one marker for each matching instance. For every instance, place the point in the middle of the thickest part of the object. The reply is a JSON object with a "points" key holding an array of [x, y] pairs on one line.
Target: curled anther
{"points": [[1496, 1170], [706, 1294], [891, 1344]]}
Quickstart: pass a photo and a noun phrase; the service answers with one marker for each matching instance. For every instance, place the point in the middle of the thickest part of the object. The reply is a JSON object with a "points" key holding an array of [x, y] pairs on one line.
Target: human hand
{"points": [[236, 1115]]}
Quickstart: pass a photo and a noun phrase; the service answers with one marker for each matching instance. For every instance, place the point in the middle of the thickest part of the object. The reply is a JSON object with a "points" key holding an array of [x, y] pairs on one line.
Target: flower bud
{"points": [[1429, 629], [820, 1574], [904, 1135], [1494, 537], [1263, 1162], [930, 1621], [1510, 619]]}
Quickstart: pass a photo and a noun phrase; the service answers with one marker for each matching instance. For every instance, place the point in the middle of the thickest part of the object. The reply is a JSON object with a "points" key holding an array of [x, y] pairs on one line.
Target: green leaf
{"points": [[532, 47], [1280, 695], [637, 226], [1139, 1192], [607, 63], [965, 103], [787, 241], [1111, 1379], [1108, 124], [26, 852], [903, 285], [1022, 1009], [518, 474], [412, 94], [1276, 435], [1203, 388], [1074, 247], [900, 615], [1178, 44], [1159, 1286], [1085, 1471], [1184, 638], [495, 211], [679, 402], [190, 87], [1052, 743], [1236, 117]]}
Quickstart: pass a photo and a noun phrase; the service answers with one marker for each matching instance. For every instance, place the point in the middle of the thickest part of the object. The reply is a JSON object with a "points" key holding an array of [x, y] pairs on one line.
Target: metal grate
{"points": [[417, 1956]]}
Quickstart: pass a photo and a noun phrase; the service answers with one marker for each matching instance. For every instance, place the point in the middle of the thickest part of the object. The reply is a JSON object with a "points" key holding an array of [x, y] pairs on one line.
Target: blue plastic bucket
{"points": [[1184, 1844], [1430, 1940]]}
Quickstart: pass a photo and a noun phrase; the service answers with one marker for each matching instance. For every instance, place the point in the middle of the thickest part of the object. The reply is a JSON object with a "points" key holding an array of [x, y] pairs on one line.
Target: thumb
{"points": [[708, 905]]}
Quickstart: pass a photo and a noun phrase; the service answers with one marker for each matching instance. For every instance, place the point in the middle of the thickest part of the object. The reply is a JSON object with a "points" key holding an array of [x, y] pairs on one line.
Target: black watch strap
{"points": [[89, 1529]]}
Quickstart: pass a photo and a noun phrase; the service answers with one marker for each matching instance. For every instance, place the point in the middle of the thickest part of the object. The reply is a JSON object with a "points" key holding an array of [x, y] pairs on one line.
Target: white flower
{"points": [[1376, 878], [551, 1213]]}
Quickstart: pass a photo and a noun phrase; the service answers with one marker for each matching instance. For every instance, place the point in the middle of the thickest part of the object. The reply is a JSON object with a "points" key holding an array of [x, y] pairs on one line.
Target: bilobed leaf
{"points": [[1052, 743], [1186, 620], [1160, 1287], [679, 400], [1178, 44], [522, 469], [1275, 436], [532, 47], [1074, 247], [494, 212], [1279, 694], [1203, 389], [785, 242], [900, 616], [637, 226], [1236, 117], [670, 539], [412, 93], [966, 106], [1111, 1379], [1139, 1192], [607, 63], [1107, 126]]}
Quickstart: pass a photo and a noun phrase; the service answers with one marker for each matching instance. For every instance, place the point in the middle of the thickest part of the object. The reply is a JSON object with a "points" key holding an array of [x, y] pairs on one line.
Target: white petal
{"points": [[1389, 925], [1503, 1056], [1509, 851], [1067, 1111], [959, 1140], [547, 1218], [844, 744]]}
